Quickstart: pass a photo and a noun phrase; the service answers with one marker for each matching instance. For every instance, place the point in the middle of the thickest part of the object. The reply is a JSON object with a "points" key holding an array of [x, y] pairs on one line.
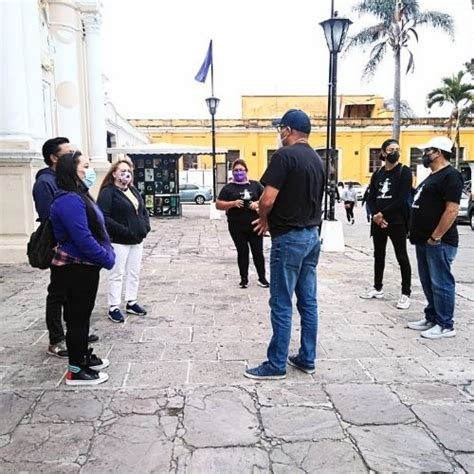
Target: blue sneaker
{"points": [[294, 362], [116, 316], [135, 308], [265, 371]]}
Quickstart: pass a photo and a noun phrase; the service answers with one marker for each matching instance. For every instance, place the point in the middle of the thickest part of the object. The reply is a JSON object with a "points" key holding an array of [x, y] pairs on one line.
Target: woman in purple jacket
{"points": [[83, 249]]}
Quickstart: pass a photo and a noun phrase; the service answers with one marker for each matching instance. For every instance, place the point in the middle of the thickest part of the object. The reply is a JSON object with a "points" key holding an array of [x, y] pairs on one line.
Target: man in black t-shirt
{"points": [[389, 191], [433, 231], [290, 207]]}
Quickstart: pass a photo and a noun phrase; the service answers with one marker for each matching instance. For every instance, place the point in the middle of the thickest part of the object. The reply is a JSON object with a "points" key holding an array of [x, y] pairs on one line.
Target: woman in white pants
{"points": [[127, 223]]}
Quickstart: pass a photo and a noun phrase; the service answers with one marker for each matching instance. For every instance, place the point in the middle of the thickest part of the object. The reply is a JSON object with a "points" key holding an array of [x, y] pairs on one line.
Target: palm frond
{"points": [[381, 9], [376, 56], [438, 20], [367, 36], [410, 8], [411, 62], [413, 32]]}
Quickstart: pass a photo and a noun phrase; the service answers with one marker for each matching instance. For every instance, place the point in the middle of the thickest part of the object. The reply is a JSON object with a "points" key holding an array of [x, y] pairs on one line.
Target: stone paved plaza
{"points": [[382, 399]]}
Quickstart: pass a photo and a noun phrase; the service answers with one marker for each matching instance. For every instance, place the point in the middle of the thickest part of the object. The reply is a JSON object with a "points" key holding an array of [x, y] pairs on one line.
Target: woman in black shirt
{"points": [[239, 199]]}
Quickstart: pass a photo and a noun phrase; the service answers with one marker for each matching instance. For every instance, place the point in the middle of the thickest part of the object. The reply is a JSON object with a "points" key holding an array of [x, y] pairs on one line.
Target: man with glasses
{"points": [[290, 207], [433, 231], [44, 189]]}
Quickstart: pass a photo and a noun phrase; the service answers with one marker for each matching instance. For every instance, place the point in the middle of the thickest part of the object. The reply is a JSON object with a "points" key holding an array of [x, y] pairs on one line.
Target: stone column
{"points": [[92, 21], [21, 123], [21, 94], [66, 32]]}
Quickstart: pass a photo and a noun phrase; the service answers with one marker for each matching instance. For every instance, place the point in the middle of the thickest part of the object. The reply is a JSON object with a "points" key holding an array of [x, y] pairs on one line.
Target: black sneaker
{"points": [[294, 362], [85, 376], [116, 316], [94, 363], [263, 283], [136, 309], [264, 371], [244, 283], [93, 338], [58, 350]]}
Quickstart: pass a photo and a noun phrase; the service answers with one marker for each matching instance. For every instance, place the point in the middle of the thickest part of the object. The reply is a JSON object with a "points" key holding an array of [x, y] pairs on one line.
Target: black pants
{"points": [[79, 283], [244, 236], [54, 308], [349, 207], [398, 236]]}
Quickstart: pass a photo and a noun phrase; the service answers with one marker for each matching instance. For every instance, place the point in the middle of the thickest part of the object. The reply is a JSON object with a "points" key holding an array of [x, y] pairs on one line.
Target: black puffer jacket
{"points": [[124, 224]]}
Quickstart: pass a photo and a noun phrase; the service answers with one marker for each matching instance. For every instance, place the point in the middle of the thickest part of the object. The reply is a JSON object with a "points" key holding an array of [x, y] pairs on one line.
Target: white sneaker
{"points": [[404, 302], [421, 325], [371, 293], [437, 332]]}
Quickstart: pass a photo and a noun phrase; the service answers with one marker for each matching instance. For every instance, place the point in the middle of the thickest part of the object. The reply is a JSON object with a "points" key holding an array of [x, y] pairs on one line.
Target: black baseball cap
{"points": [[295, 119]]}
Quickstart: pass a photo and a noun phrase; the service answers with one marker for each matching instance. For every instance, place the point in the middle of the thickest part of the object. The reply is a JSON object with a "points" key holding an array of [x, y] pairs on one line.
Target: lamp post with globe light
{"points": [[212, 103], [335, 31]]}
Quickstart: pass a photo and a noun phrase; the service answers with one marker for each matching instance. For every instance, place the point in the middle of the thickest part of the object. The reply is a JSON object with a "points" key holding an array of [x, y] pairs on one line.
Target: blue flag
{"points": [[204, 69]]}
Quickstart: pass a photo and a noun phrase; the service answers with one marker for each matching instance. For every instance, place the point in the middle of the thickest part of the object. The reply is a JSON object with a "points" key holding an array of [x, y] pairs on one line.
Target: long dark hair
{"points": [[68, 180]]}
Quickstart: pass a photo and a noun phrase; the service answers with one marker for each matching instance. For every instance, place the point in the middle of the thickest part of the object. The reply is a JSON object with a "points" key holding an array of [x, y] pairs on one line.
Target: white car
{"points": [[463, 214]]}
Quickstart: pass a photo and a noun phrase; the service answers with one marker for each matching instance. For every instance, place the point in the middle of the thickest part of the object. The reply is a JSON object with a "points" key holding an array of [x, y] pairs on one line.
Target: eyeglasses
{"points": [[239, 169], [72, 153], [280, 128]]}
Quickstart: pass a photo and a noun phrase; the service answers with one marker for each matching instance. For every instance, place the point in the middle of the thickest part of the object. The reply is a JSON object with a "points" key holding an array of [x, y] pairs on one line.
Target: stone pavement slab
{"points": [[399, 448], [381, 399], [364, 404]]}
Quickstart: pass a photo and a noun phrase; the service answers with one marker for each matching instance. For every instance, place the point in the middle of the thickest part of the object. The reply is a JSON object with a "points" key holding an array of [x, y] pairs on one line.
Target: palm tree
{"points": [[398, 20], [458, 93]]}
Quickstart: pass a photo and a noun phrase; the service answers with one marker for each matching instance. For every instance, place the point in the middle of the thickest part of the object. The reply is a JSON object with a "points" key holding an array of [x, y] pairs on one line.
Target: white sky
{"points": [[152, 49]]}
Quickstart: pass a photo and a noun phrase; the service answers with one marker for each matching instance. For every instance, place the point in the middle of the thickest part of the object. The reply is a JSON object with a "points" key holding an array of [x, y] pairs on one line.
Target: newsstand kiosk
{"points": [[156, 174]]}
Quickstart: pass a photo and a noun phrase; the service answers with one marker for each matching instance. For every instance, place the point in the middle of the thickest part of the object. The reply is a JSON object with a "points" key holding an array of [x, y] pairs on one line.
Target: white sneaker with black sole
{"points": [[85, 376]]}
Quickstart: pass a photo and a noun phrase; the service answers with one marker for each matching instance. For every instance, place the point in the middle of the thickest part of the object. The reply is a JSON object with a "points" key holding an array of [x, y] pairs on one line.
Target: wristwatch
{"points": [[436, 241]]}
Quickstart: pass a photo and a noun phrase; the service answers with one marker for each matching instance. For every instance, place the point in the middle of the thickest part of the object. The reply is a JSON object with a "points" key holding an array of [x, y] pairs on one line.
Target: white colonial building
{"points": [[51, 84]]}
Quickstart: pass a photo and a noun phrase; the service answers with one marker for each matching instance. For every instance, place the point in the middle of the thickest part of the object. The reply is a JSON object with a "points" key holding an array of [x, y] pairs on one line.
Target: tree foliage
{"points": [[459, 94], [395, 30]]}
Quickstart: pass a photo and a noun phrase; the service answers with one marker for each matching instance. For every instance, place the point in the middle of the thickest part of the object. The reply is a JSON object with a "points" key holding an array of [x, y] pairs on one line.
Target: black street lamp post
{"points": [[212, 103], [335, 31]]}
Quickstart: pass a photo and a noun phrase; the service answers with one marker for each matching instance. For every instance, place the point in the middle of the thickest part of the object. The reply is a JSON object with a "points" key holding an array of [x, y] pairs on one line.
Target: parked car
{"points": [[470, 211], [463, 214], [357, 187], [193, 193]]}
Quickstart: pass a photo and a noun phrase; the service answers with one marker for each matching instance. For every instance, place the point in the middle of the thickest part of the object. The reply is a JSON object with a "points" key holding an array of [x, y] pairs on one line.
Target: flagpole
{"points": [[212, 71]]}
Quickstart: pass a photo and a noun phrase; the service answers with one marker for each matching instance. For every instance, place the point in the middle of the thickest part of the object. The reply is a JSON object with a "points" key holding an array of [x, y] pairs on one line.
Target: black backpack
{"points": [[40, 249]]}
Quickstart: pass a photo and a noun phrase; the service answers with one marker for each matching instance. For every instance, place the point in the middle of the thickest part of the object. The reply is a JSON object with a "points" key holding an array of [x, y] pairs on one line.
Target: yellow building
{"points": [[363, 124]]}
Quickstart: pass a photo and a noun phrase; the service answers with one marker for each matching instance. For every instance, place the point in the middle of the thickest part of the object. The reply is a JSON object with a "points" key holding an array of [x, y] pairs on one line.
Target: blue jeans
{"points": [[437, 281], [293, 260]]}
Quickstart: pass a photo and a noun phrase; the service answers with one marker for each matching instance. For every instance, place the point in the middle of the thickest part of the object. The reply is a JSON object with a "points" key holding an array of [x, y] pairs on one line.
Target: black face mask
{"points": [[426, 160], [393, 157]]}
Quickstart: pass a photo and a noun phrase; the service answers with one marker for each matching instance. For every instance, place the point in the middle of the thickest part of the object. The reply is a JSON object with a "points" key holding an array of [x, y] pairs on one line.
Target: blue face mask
{"points": [[90, 177]]}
